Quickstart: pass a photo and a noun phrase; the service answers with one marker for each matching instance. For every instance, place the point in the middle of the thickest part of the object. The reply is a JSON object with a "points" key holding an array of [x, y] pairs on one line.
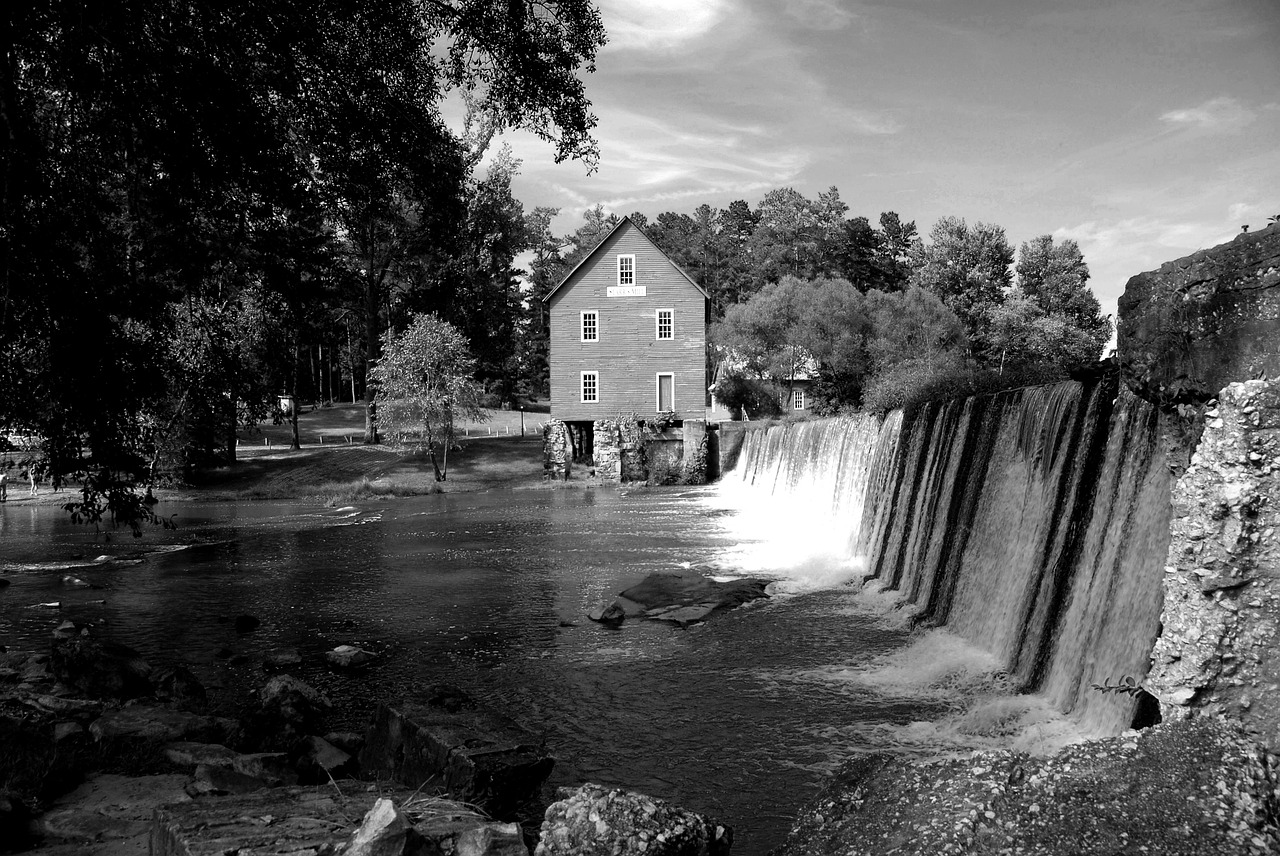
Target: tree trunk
{"points": [[293, 411], [372, 345]]}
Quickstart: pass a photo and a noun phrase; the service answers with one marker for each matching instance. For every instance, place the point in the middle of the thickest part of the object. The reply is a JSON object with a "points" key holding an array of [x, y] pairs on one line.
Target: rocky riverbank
{"points": [[1199, 788], [100, 753]]}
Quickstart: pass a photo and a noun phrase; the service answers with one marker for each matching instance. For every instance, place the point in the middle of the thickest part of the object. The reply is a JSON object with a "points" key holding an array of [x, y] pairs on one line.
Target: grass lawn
{"points": [[335, 467], [343, 423]]}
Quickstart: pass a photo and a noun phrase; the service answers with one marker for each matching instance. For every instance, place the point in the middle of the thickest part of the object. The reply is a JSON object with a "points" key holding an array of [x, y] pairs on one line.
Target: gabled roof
{"points": [[589, 256]]}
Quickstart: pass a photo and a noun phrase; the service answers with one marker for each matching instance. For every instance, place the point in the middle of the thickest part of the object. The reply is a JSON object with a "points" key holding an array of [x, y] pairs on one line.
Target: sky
{"points": [[1142, 129]]}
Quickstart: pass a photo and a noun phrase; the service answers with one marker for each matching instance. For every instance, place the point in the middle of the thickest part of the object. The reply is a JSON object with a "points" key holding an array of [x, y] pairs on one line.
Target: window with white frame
{"points": [[591, 326], [627, 270], [666, 323], [797, 399], [590, 387]]}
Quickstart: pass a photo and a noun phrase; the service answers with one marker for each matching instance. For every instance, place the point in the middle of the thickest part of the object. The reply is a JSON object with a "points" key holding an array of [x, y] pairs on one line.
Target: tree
{"points": [[424, 381], [142, 141], [910, 325], [759, 337], [1056, 278], [832, 328], [485, 300], [968, 268]]}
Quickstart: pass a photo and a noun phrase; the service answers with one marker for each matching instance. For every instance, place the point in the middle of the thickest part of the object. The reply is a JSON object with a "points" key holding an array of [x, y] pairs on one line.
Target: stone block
{"points": [[469, 754]]}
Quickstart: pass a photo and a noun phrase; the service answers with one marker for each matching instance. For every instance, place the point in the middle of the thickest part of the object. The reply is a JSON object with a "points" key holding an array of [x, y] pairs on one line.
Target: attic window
{"points": [[627, 270]]}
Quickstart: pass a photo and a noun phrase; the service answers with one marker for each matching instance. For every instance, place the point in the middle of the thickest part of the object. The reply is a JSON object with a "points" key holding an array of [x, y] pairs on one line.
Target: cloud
{"points": [[1144, 232], [820, 14], [658, 24], [1220, 115]]}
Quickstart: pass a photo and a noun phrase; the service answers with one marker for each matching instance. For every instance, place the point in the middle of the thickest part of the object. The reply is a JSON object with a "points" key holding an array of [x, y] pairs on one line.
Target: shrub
{"points": [[758, 399]]}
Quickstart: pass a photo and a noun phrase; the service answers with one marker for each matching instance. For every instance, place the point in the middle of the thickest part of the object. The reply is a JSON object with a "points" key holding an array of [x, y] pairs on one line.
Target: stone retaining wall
{"points": [[1217, 652]]}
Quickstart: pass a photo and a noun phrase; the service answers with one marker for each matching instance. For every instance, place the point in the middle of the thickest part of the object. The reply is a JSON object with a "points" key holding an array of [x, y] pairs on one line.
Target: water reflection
{"points": [[739, 718]]}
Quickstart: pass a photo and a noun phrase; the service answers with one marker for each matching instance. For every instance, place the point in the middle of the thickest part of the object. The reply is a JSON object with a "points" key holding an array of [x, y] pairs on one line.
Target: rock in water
{"points": [[611, 614], [592, 819], [349, 657], [247, 623], [282, 658], [698, 597]]}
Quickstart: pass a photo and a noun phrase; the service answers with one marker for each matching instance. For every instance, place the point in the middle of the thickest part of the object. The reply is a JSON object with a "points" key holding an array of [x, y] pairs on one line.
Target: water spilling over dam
{"points": [[1031, 523]]}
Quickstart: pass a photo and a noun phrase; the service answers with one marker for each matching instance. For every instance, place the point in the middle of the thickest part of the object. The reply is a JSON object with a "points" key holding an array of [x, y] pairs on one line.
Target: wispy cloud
{"points": [[658, 24], [1144, 231], [820, 14], [1220, 115]]}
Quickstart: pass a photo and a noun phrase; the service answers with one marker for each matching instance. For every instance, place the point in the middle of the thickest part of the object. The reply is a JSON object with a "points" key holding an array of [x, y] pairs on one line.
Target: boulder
{"points": [[592, 819], [684, 596], [1180, 789], [1201, 322], [176, 684], [315, 821], [273, 768], [318, 760], [156, 724], [349, 657], [109, 811], [288, 709], [611, 614], [98, 668], [348, 741], [216, 780], [66, 731], [467, 753], [282, 658], [383, 832]]}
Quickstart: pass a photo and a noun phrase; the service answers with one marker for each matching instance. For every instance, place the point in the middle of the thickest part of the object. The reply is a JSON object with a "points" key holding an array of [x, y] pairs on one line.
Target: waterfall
{"points": [[1032, 523]]}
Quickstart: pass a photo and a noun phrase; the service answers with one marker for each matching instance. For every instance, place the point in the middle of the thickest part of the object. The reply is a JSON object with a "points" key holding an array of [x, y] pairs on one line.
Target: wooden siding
{"points": [[628, 355]]}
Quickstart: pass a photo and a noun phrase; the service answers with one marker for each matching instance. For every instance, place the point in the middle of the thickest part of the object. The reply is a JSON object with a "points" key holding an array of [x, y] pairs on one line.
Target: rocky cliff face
{"points": [[1201, 322], [1218, 650]]}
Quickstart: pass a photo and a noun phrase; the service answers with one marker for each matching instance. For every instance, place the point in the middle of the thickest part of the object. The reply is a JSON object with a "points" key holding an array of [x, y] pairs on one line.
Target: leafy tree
{"points": [[424, 381], [833, 328], [596, 224], [485, 304], [1056, 277], [144, 141], [911, 325], [898, 242], [747, 397], [759, 335], [968, 267]]}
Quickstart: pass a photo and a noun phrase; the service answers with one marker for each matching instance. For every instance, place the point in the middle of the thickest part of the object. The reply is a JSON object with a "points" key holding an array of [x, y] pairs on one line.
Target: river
{"points": [[738, 718]]}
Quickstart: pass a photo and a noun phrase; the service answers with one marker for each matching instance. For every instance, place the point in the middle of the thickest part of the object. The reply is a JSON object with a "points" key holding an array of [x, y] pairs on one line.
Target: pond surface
{"points": [[738, 718]]}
